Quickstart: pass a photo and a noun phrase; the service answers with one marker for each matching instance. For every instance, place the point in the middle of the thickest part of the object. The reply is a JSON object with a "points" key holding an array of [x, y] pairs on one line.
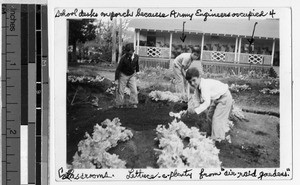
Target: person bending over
{"points": [[212, 95], [180, 64]]}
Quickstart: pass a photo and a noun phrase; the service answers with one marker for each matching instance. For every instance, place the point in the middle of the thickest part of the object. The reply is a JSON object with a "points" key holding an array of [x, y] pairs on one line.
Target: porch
{"points": [[163, 53], [157, 47]]}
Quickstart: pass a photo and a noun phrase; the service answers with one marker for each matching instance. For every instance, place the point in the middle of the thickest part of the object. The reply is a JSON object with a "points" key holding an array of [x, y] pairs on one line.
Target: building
{"points": [[224, 43]]}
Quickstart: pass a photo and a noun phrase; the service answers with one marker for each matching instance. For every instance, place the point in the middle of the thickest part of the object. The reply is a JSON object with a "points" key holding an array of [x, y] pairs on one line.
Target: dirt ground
{"points": [[255, 143]]}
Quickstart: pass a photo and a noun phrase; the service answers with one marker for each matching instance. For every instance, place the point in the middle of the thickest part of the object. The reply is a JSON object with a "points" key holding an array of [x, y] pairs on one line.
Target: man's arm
{"points": [[206, 101], [183, 72], [185, 64]]}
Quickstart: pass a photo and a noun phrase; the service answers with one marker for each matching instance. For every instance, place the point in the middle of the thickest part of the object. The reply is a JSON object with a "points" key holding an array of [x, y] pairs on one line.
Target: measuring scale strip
{"points": [[24, 91], [11, 94]]}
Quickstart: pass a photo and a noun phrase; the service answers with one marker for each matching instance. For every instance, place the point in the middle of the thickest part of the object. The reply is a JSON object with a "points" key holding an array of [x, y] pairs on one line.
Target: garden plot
{"points": [[254, 140]]}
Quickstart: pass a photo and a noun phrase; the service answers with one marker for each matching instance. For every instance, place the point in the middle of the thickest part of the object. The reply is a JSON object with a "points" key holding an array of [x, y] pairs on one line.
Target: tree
{"points": [[80, 31], [102, 38], [111, 34], [120, 40], [114, 40]]}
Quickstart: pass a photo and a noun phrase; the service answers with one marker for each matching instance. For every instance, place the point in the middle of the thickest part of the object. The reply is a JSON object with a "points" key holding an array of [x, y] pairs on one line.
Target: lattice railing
{"points": [[218, 56], [255, 59], [153, 52]]}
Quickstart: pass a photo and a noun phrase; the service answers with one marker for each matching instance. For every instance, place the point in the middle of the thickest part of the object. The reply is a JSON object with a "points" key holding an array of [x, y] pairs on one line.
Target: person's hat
{"points": [[129, 47]]}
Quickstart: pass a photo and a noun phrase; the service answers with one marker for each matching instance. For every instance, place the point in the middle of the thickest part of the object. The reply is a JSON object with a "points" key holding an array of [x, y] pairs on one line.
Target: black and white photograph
{"points": [[171, 94], [126, 76]]}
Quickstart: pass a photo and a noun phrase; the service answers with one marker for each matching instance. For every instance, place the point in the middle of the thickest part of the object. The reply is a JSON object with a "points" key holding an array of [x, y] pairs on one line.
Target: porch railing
{"points": [[218, 56], [214, 56], [255, 59], [245, 58], [154, 52]]}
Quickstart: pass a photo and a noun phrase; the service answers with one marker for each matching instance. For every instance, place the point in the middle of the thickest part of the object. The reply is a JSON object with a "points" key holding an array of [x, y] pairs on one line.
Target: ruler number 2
{"points": [[44, 62], [12, 131]]}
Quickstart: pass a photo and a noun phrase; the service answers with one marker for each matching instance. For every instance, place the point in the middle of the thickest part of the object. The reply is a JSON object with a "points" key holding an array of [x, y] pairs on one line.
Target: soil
{"points": [[254, 143]]}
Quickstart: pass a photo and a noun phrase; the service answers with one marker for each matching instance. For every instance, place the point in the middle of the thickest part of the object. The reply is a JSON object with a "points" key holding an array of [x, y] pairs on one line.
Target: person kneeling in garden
{"points": [[126, 76], [212, 95]]}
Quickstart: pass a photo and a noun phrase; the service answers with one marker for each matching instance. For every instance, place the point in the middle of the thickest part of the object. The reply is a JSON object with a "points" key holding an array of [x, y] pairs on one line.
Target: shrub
{"points": [[272, 73]]}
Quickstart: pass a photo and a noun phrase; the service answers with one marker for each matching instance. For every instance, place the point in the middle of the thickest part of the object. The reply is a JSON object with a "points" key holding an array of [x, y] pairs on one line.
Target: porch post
{"points": [[240, 47], [239, 55], [138, 42], [134, 41], [202, 46], [171, 40], [273, 51], [236, 48]]}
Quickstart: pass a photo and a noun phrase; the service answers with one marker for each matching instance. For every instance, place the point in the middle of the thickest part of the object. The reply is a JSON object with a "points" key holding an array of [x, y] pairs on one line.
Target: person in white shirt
{"points": [[212, 95], [180, 64]]}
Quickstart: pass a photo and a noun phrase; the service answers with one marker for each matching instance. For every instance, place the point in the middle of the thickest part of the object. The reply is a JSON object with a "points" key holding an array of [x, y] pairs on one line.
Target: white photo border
{"points": [[58, 45]]}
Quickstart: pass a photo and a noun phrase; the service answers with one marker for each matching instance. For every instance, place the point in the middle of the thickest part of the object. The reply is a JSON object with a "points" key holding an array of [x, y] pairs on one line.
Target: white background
{"points": [[58, 46], [193, 3]]}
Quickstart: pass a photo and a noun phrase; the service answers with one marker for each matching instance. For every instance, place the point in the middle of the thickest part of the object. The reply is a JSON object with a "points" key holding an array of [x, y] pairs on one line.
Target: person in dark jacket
{"points": [[126, 76]]}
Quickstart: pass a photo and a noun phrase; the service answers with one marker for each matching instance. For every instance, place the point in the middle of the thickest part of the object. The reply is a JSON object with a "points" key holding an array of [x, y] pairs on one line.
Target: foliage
{"points": [[91, 39], [252, 74], [199, 152], [237, 112], [156, 74], [80, 31], [272, 83], [97, 83], [269, 91], [168, 96], [100, 49], [85, 79], [177, 115], [92, 151], [113, 89], [104, 40], [237, 88], [272, 73]]}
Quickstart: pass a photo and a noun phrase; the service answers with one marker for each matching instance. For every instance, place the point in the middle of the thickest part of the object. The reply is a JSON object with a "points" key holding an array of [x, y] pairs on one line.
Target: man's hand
{"points": [[189, 112]]}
